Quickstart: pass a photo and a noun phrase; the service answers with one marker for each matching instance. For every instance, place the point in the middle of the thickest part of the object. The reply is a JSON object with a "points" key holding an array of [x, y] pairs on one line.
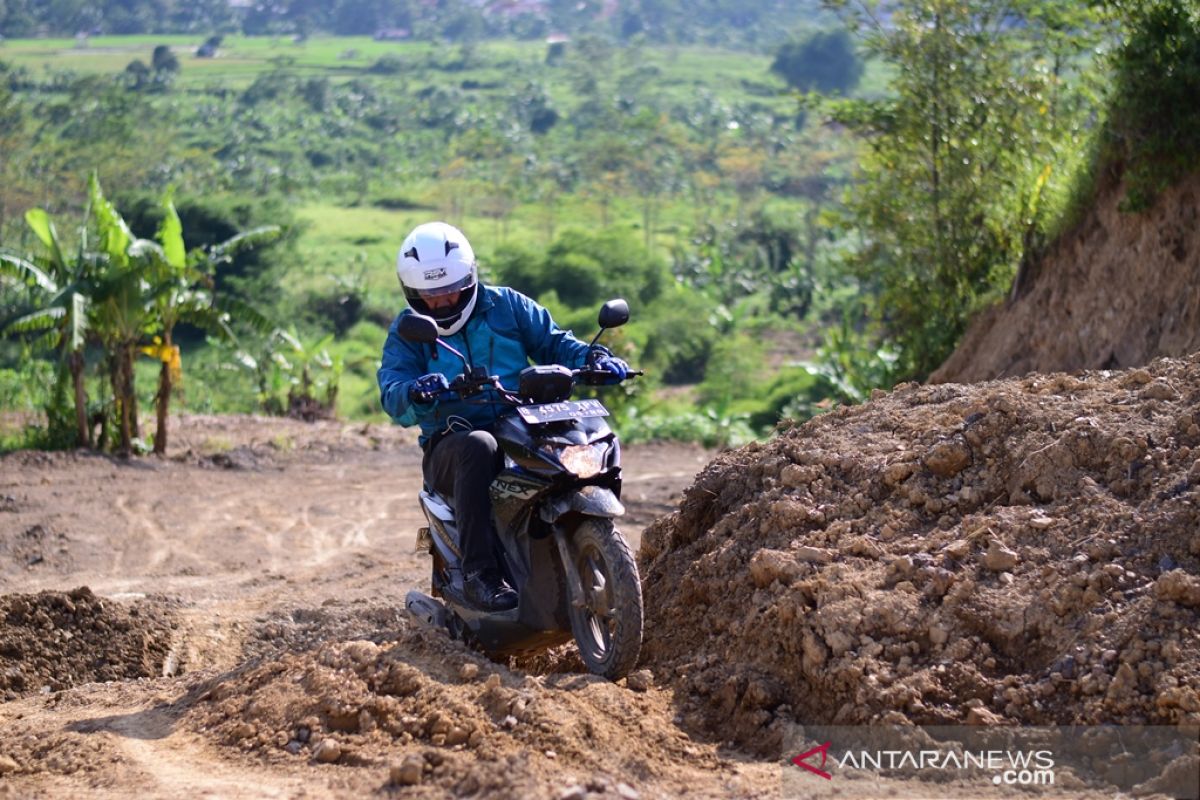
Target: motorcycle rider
{"points": [[500, 331]]}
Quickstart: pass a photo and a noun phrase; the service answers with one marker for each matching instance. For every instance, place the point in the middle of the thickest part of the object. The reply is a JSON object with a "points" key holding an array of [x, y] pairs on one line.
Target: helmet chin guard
{"points": [[436, 260]]}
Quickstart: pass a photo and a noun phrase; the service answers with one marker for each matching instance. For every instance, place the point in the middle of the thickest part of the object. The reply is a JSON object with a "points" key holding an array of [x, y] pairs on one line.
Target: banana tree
{"points": [[181, 290], [123, 305], [59, 293]]}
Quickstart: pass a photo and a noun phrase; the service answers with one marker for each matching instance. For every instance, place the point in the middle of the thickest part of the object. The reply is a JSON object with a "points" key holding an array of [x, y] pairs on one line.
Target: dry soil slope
{"points": [[1117, 291], [1020, 551]]}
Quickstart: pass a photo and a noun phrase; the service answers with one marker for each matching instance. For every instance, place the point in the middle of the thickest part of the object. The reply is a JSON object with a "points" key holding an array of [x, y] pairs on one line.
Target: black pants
{"points": [[460, 467]]}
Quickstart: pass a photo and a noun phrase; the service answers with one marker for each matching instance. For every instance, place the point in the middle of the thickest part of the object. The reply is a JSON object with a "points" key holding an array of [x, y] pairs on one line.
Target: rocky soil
{"points": [[1015, 552], [244, 636], [53, 640]]}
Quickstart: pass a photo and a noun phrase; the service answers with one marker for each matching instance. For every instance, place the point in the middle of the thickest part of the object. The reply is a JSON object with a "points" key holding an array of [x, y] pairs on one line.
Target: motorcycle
{"points": [[555, 506]]}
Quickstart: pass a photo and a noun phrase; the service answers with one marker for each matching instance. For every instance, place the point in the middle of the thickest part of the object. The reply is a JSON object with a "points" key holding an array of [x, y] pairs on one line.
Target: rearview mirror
{"points": [[614, 314], [418, 328]]}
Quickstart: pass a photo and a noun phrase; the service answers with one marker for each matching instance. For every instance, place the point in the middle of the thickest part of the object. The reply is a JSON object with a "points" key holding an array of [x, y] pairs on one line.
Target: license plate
{"points": [[558, 412]]}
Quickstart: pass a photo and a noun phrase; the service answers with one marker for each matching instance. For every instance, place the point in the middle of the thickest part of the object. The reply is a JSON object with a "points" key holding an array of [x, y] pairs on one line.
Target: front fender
{"points": [[591, 501]]}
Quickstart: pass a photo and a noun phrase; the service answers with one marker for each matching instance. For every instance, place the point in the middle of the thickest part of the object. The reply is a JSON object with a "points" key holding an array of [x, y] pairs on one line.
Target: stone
{"points": [[795, 476], [999, 558], [7, 765], [328, 751], [816, 555], [948, 458], [408, 772], [1136, 378], [1159, 390], [468, 671], [627, 792], [1179, 587], [639, 681], [958, 550], [1041, 523], [575, 792], [983, 716], [768, 566]]}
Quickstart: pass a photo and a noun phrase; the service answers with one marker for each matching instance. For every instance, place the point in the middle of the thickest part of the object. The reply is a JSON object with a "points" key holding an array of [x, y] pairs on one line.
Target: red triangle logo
{"points": [[823, 749]]}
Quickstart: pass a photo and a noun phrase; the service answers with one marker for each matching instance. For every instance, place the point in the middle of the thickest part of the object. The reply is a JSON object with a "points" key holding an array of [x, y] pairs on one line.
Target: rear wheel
{"points": [[608, 625]]}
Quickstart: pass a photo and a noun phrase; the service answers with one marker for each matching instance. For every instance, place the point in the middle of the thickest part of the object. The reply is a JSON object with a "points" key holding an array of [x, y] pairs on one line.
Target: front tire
{"points": [[608, 627]]}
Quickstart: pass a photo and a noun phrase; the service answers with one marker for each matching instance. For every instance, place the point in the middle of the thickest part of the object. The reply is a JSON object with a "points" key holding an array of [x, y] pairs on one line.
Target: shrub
{"points": [[824, 61], [1153, 131]]}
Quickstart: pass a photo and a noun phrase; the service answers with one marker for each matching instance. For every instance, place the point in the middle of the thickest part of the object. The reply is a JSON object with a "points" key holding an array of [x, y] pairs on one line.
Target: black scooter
{"points": [[554, 507]]}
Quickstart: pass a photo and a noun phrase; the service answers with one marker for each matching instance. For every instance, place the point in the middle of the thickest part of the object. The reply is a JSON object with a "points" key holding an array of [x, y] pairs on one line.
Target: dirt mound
{"points": [[52, 640], [1022, 551], [423, 710], [1116, 291]]}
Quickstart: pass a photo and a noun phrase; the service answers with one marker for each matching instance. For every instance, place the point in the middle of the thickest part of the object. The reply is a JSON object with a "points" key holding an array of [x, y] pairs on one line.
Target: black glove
{"points": [[424, 390]]}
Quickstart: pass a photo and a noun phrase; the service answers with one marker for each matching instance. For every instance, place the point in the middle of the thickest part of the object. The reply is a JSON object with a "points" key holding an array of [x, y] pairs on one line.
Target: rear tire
{"points": [[608, 629]]}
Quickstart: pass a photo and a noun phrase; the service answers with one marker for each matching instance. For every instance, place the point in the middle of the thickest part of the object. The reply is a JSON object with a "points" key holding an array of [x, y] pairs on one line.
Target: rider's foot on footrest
{"points": [[488, 591]]}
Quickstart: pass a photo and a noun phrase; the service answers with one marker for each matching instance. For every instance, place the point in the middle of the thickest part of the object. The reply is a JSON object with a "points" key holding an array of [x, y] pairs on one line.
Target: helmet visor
{"points": [[425, 301], [439, 291]]}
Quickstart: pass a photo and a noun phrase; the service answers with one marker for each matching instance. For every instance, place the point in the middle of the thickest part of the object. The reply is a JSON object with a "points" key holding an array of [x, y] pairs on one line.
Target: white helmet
{"points": [[436, 259]]}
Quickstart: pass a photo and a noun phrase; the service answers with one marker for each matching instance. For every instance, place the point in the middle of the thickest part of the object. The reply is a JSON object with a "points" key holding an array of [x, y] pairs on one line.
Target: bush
{"points": [[1153, 131], [825, 62], [681, 337], [387, 65], [585, 269], [706, 427]]}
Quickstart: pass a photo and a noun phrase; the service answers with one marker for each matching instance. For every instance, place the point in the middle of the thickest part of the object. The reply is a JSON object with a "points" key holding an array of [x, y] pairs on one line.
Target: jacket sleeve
{"points": [[400, 367], [545, 342]]}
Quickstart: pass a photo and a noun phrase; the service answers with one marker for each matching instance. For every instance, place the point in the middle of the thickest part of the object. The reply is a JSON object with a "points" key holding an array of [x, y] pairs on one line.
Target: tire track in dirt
{"points": [[293, 549]]}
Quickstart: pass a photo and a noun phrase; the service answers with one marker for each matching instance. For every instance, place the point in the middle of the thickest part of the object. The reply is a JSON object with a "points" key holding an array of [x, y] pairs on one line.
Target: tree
{"points": [[122, 308], [59, 289], [824, 61], [956, 156], [165, 65], [181, 291], [1152, 124]]}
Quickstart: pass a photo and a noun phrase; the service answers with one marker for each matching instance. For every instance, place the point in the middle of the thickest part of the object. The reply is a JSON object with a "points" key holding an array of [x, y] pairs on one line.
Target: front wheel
{"points": [[608, 624]]}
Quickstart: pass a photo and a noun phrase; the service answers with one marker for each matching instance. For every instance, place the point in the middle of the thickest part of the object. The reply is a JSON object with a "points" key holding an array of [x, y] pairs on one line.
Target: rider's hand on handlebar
{"points": [[616, 368], [424, 390]]}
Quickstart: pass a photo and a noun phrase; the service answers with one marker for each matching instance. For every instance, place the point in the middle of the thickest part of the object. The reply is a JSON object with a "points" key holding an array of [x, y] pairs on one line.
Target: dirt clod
{"points": [[409, 771], [53, 640]]}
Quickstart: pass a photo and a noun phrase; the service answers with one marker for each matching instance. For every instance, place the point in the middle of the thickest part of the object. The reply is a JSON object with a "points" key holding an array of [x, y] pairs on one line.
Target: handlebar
{"points": [[465, 386], [601, 377]]}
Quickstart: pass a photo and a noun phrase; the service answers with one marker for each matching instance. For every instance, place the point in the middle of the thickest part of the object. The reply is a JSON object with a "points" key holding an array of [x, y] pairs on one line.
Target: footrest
{"points": [[426, 610]]}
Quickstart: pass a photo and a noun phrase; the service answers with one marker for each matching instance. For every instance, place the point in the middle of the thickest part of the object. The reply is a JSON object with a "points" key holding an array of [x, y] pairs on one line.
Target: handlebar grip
{"points": [[440, 394]]}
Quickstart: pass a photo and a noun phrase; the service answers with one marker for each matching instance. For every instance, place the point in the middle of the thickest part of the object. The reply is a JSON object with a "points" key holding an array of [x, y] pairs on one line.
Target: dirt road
{"points": [[264, 543]]}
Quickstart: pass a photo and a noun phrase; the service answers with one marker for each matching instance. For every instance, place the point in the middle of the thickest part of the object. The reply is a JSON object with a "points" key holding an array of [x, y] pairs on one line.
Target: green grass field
{"points": [[676, 70]]}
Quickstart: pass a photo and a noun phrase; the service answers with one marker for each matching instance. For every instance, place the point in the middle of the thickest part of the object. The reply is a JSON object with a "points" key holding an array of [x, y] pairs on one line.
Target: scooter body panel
{"points": [[524, 513]]}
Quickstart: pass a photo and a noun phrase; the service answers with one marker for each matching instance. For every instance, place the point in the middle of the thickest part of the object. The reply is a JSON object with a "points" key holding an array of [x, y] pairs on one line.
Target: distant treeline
{"points": [[725, 22]]}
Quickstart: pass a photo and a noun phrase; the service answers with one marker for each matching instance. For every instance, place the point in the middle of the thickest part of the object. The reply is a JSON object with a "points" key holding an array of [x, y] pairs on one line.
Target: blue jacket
{"points": [[505, 331]]}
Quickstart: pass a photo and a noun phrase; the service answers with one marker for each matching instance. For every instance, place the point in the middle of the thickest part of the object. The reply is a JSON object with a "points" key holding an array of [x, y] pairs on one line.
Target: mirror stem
{"points": [[452, 350]]}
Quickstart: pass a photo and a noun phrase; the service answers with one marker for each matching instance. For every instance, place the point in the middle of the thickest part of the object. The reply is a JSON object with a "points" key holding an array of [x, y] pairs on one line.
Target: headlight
{"points": [[584, 460]]}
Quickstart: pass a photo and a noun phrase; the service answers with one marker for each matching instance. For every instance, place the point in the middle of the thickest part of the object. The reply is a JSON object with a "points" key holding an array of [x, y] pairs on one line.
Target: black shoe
{"points": [[488, 591]]}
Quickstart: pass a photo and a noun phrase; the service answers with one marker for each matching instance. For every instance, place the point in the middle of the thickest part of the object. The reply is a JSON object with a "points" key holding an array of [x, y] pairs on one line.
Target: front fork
{"points": [[574, 586], [594, 501]]}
